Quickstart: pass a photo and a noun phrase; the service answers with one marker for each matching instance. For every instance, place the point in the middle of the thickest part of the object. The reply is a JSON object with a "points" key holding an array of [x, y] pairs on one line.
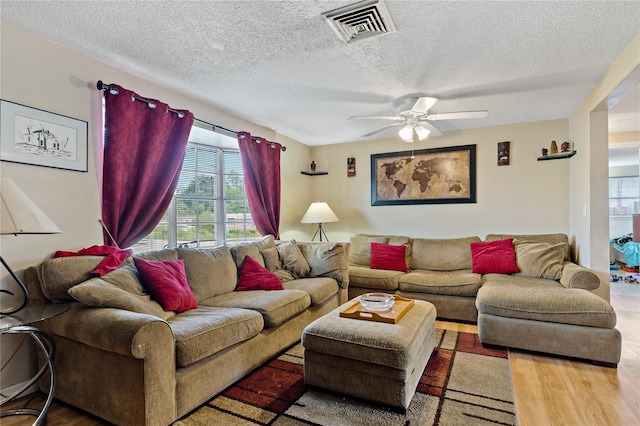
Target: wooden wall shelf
{"points": [[557, 156], [314, 173]]}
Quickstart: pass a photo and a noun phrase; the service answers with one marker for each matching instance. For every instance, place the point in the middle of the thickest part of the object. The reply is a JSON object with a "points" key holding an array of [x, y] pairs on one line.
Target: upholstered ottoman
{"points": [[376, 361]]}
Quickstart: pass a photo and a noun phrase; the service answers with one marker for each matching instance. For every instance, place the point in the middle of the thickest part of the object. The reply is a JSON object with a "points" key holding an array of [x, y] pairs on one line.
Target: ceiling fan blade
{"points": [[458, 115], [431, 128], [423, 104], [381, 129], [375, 117]]}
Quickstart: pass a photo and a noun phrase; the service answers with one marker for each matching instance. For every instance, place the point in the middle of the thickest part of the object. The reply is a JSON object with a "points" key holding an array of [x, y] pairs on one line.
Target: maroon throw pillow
{"points": [[494, 257], [254, 276], [166, 280], [385, 256]]}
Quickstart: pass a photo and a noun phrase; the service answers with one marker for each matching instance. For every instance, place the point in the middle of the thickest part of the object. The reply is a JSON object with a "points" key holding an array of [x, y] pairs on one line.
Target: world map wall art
{"points": [[428, 176]]}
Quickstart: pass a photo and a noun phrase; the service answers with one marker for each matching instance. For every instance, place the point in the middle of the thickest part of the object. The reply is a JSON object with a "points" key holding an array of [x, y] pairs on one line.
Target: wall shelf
{"points": [[557, 156], [313, 173]]}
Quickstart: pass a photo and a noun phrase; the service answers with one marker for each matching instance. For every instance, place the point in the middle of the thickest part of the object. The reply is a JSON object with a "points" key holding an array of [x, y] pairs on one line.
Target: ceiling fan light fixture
{"points": [[406, 133], [422, 132]]}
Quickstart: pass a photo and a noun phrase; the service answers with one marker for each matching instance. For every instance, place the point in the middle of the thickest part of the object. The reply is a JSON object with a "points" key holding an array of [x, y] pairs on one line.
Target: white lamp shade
{"points": [[406, 133], [20, 215], [319, 212], [422, 132]]}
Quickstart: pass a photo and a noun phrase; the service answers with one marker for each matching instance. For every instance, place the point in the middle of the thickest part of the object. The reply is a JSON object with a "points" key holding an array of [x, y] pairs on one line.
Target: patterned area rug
{"points": [[463, 384]]}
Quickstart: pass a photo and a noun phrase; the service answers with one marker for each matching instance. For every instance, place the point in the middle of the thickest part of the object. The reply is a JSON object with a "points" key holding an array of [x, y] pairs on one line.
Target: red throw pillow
{"points": [[385, 256], [254, 276], [494, 257], [166, 280]]}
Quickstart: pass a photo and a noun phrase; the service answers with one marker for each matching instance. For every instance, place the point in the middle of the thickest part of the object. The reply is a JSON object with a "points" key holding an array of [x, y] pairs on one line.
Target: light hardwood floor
{"points": [[548, 390]]}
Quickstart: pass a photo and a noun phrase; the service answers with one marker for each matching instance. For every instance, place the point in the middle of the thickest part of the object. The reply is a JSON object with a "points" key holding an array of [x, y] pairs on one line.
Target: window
{"points": [[623, 196], [210, 205]]}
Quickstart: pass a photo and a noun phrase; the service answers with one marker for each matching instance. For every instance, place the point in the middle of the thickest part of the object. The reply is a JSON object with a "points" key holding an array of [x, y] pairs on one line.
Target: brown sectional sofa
{"points": [[560, 316], [121, 357]]}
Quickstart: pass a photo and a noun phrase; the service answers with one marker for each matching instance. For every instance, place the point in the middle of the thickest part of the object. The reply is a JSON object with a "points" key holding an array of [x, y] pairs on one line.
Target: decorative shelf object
{"points": [[557, 156], [308, 173]]}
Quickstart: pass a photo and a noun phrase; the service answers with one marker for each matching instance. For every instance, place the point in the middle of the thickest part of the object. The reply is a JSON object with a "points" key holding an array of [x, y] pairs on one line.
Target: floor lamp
{"points": [[20, 215], [319, 213]]}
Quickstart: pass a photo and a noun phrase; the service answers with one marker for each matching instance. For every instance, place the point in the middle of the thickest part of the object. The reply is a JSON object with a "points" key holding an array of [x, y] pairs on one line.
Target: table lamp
{"points": [[319, 212], [20, 215]]}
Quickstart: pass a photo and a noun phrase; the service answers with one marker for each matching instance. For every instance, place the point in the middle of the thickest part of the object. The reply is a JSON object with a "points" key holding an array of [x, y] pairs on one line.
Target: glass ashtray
{"points": [[377, 302]]}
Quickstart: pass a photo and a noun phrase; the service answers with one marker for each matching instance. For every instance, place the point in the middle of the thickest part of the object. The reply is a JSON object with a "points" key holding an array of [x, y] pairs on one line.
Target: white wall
{"points": [[589, 168], [528, 196]]}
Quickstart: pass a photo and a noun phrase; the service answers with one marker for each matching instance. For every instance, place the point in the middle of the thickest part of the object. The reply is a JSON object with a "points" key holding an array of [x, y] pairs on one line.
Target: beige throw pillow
{"points": [[538, 259], [293, 259], [252, 249], [273, 263], [121, 289], [326, 260]]}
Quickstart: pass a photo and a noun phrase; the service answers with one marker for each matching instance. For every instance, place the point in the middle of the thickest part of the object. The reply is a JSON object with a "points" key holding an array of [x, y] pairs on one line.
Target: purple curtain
{"points": [[143, 154], [261, 167]]}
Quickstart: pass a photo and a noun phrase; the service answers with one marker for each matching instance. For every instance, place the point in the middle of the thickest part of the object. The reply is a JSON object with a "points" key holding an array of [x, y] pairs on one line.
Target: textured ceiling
{"points": [[278, 64]]}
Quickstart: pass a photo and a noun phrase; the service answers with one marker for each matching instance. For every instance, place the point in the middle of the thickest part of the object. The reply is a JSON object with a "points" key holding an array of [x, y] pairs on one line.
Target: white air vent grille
{"points": [[360, 20]]}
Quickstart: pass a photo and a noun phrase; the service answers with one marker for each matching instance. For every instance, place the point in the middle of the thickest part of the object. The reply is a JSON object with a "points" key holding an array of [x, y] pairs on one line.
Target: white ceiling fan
{"points": [[413, 114]]}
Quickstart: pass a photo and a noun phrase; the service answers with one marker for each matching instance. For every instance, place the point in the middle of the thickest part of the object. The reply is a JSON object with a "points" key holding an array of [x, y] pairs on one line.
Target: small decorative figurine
{"points": [[545, 151], [351, 166], [313, 166], [565, 146], [554, 147]]}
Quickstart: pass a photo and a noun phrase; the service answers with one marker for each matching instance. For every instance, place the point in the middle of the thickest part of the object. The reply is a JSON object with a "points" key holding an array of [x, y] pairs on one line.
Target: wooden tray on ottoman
{"points": [[392, 316]]}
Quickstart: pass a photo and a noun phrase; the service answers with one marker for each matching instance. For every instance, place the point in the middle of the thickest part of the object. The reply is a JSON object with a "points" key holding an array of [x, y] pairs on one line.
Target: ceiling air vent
{"points": [[360, 20]]}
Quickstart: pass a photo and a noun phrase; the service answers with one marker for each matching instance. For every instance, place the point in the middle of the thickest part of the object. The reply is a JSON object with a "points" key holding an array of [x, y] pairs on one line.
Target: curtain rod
{"points": [[114, 91]]}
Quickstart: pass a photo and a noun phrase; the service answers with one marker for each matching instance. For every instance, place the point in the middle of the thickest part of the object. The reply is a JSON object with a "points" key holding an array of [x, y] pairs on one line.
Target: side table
{"points": [[20, 323]]}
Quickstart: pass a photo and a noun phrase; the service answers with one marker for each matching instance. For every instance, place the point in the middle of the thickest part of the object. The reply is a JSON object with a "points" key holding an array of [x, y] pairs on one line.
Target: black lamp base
{"points": [[320, 231]]}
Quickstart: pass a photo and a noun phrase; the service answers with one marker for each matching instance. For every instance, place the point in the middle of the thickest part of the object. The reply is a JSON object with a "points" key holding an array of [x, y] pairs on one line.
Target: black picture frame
{"points": [[444, 175], [42, 138]]}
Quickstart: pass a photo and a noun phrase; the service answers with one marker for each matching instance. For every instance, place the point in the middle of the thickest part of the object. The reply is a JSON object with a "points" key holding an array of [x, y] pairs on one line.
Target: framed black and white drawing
{"points": [[40, 138]]}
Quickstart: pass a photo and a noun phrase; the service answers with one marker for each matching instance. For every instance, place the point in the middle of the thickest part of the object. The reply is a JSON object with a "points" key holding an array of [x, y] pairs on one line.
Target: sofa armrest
{"points": [[114, 330], [116, 364], [576, 276]]}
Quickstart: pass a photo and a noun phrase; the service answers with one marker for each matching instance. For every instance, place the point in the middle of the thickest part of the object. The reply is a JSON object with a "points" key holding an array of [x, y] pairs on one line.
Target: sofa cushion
{"points": [[542, 300], [386, 256], [451, 283], [360, 250], [271, 259], [202, 332], [120, 289], [547, 238], [326, 260], [252, 249], [164, 254], [58, 275], [256, 277], [537, 259], [442, 254], [319, 289], [166, 280], [276, 307], [494, 257], [210, 271], [292, 259], [377, 279]]}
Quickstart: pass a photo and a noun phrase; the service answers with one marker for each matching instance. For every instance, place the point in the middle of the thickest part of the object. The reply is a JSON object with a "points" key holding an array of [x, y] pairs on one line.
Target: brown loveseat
{"points": [[121, 357], [548, 307]]}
